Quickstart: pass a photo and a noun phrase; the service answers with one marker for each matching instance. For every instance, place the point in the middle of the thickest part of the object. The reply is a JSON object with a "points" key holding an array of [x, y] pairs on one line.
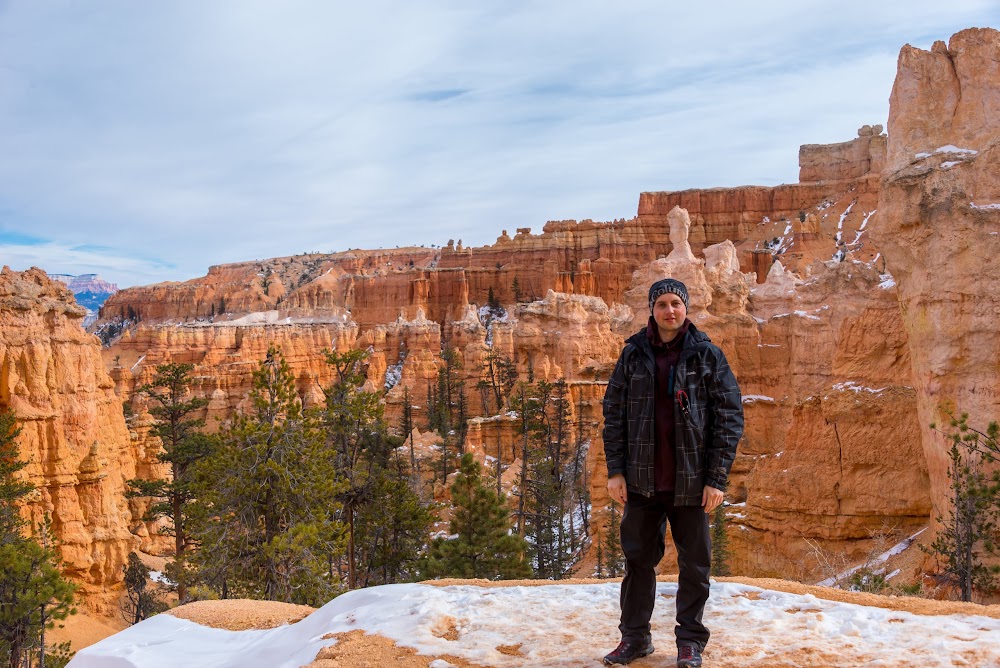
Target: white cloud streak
{"points": [[197, 133]]}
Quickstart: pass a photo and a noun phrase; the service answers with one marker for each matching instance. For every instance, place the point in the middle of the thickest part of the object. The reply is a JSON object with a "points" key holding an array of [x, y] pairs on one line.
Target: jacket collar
{"points": [[693, 337]]}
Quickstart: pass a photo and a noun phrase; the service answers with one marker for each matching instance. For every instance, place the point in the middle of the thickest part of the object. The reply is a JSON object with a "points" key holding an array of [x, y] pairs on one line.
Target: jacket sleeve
{"points": [[615, 419], [727, 406]]}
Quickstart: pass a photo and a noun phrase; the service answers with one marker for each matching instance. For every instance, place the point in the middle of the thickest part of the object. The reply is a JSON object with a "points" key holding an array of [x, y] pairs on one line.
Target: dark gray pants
{"points": [[644, 529]]}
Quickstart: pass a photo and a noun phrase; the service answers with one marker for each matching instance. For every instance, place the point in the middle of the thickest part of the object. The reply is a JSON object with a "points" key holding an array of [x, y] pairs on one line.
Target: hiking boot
{"points": [[628, 651], [688, 656]]}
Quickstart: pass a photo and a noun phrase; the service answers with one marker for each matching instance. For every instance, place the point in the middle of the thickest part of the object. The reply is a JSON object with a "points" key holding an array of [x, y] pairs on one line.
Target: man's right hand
{"points": [[617, 488]]}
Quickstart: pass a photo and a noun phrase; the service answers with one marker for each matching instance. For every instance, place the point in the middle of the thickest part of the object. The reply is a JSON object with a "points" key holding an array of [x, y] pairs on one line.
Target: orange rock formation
{"points": [[73, 431], [940, 235]]}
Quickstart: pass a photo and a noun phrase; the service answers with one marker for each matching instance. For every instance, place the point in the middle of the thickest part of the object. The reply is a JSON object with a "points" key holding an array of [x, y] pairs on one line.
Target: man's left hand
{"points": [[711, 498]]}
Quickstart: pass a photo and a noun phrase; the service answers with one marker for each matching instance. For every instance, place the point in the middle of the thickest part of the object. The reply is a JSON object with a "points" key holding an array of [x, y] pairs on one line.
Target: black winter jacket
{"points": [[705, 434]]}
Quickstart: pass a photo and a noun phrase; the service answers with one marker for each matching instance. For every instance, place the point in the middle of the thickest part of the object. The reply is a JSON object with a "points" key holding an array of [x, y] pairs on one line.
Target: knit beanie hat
{"points": [[671, 285]]}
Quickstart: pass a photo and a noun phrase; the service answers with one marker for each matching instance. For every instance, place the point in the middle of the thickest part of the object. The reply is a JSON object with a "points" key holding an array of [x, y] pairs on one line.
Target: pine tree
{"points": [[406, 425], [182, 447], [483, 546], [33, 592], [515, 287], [138, 602], [500, 374], [720, 542], [968, 531], [391, 535], [613, 555], [269, 528]]}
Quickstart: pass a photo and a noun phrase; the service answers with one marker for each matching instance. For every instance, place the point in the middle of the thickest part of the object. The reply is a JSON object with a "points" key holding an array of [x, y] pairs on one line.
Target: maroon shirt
{"points": [[666, 356]]}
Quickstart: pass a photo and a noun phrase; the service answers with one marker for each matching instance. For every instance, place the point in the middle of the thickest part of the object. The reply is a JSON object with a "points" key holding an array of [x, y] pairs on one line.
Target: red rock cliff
{"points": [[73, 431]]}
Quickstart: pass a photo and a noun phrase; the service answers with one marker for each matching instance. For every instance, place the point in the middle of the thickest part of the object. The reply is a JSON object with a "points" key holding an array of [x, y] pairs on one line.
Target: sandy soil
{"points": [[241, 615]]}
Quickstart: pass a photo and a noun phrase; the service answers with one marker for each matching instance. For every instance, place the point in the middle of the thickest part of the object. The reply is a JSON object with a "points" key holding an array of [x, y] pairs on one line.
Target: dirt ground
{"points": [[359, 650]]}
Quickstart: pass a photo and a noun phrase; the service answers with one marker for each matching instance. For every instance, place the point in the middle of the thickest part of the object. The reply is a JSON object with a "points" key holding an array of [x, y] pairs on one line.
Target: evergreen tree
{"points": [[182, 447], [484, 546], [515, 287], [33, 592], [581, 484], [968, 531], [391, 535], [268, 528], [138, 602], [500, 374], [613, 555], [353, 424], [406, 425], [720, 542]]}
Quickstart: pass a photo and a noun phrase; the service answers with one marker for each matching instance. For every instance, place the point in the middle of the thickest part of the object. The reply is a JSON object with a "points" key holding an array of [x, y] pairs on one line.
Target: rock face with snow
{"points": [[73, 432], [939, 228]]}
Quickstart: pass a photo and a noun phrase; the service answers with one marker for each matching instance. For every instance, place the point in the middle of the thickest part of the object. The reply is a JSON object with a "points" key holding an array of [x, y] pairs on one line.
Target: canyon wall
{"points": [[850, 330], [73, 433], [939, 228]]}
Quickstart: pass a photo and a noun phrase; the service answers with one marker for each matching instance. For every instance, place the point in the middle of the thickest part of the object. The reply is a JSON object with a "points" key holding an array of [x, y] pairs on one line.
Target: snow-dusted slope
{"points": [[568, 625]]}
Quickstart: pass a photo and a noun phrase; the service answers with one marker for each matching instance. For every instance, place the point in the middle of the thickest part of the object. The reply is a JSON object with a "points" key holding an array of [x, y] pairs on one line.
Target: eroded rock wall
{"points": [[939, 228], [73, 433]]}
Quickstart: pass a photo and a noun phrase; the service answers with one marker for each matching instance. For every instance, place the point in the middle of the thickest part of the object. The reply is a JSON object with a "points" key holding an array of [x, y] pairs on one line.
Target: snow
{"points": [[880, 559], [750, 625], [864, 223], [753, 398], [984, 206], [888, 282], [843, 216], [854, 387], [948, 148], [394, 373], [950, 163], [137, 363]]}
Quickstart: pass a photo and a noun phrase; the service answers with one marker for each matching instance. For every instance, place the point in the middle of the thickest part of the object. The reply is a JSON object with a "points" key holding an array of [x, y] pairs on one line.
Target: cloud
{"points": [[203, 133]]}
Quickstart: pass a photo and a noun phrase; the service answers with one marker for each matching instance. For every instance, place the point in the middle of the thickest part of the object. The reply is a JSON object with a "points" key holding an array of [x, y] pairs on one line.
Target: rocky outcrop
{"points": [[585, 258], [939, 221], [848, 160], [73, 432]]}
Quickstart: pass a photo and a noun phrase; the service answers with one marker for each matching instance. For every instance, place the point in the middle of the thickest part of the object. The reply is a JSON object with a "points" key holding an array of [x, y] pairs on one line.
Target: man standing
{"points": [[673, 415]]}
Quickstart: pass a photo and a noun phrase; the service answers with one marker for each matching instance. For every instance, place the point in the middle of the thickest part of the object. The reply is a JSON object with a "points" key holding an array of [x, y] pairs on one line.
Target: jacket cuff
{"points": [[718, 483], [615, 470]]}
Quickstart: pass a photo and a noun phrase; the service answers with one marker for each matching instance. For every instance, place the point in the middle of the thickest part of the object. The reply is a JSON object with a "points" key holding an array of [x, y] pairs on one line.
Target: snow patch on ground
{"points": [[758, 625], [754, 398], [983, 207]]}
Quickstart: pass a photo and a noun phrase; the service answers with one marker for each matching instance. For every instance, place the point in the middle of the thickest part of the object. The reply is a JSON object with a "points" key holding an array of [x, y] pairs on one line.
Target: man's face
{"points": [[669, 313]]}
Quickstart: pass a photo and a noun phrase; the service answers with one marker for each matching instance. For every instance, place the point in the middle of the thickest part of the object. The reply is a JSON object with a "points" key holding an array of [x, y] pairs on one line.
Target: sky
{"points": [[568, 625], [147, 141]]}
